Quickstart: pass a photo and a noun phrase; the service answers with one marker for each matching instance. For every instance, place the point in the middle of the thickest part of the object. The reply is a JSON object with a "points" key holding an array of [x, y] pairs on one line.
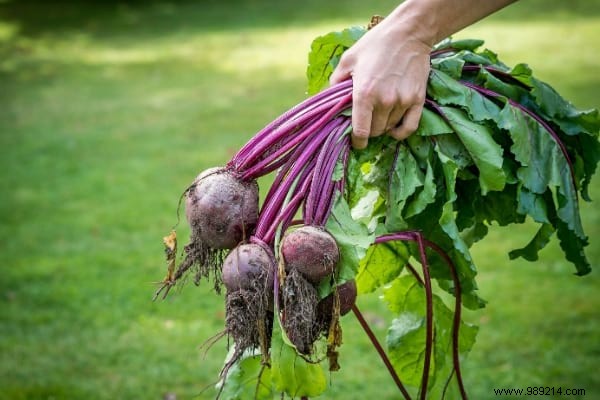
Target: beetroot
{"points": [[309, 254], [347, 296], [248, 276], [221, 209], [246, 264], [311, 251]]}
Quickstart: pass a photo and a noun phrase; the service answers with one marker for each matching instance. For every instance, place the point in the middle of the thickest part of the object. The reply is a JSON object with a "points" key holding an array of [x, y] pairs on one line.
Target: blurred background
{"points": [[109, 109]]}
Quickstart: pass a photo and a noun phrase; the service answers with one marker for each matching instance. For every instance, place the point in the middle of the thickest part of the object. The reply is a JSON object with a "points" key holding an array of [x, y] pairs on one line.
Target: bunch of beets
{"points": [[281, 267], [233, 243]]}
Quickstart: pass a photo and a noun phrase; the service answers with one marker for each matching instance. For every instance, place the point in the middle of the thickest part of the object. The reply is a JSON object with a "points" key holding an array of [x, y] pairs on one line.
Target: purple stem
{"points": [[285, 168], [271, 207], [291, 113], [436, 107], [441, 52], [341, 184], [298, 152], [276, 145], [311, 199], [321, 189], [327, 195], [260, 144], [457, 315], [290, 209], [274, 202], [417, 236], [380, 351], [299, 137], [429, 317]]}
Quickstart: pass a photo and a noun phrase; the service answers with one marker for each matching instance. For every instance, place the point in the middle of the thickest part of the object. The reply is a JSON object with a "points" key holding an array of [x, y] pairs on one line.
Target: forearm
{"points": [[433, 20]]}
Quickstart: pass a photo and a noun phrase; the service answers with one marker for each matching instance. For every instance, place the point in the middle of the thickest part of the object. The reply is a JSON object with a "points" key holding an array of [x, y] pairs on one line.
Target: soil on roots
{"points": [[249, 319], [204, 260], [300, 300]]}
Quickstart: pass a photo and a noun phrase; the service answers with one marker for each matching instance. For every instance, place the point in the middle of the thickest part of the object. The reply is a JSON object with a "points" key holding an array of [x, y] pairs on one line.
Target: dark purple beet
{"points": [[248, 266], [347, 293], [310, 250], [221, 210]]}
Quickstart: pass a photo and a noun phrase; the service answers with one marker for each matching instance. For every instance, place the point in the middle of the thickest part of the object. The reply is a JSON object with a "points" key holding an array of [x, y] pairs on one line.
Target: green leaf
{"points": [[474, 233], [451, 65], [512, 91], [406, 298], [338, 172], [368, 171], [443, 348], [447, 219], [425, 196], [543, 165], [553, 106], [366, 209], [539, 207], [381, 265], [405, 178], [500, 207], [450, 146], [458, 251], [485, 152], [352, 237], [472, 208], [467, 44], [539, 241], [571, 120], [406, 344], [291, 373], [248, 379], [485, 57], [325, 53], [590, 156], [432, 124], [376, 166], [521, 72], [573, 247], [448, 91], [406, 335], [461, 44]]}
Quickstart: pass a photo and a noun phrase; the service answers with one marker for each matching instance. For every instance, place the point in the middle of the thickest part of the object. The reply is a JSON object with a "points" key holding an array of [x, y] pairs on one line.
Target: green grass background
{"points": [[109, 109]]}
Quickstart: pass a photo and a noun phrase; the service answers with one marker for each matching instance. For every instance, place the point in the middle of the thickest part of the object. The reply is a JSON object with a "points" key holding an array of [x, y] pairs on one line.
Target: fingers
{"points": [[409, 124], [342, 72], [387, 112], [394, 117], [370, 120], [362, 112]]}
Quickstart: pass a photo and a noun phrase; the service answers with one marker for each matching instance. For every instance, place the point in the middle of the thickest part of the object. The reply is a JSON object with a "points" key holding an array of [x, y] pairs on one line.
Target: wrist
{"points": [[415, 19]]}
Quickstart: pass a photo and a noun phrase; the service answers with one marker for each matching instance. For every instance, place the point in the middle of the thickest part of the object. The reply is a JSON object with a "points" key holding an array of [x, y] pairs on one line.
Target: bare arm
{"points": [[390, 63]]}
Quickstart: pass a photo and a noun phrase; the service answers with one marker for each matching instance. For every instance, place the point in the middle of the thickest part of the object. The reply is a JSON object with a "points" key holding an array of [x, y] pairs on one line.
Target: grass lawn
{"points": [[109, 109]]}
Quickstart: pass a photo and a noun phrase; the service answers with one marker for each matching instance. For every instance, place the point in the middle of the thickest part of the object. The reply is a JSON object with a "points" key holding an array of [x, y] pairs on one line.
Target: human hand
{"points": [[389, 67]]}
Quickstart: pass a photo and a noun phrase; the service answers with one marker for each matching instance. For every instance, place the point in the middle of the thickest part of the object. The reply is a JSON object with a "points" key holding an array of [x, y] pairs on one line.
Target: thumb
{"points": [[340, 73]]}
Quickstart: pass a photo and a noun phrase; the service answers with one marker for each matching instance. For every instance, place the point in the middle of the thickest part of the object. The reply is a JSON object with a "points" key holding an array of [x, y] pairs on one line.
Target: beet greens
{"points": [[494, 145]]}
